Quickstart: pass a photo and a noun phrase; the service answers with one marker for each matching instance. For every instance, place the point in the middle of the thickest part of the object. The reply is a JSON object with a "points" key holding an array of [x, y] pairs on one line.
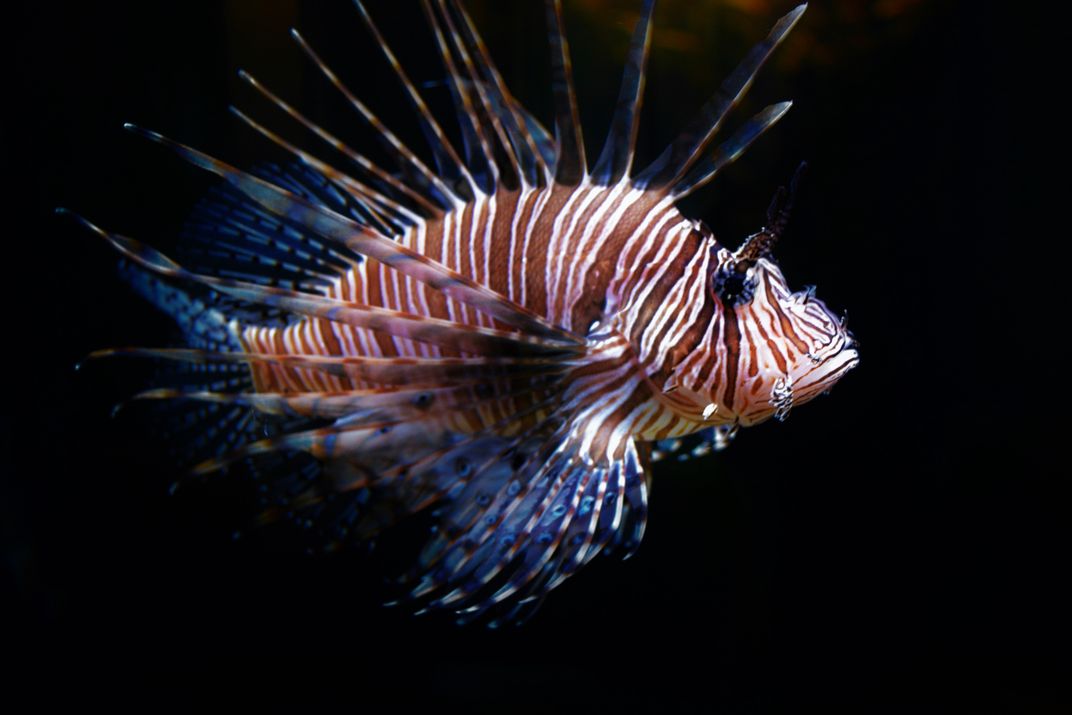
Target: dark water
{"points": [[899, 546]]}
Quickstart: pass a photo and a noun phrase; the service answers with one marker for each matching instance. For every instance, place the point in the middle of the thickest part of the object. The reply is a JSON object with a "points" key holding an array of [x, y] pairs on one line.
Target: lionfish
{"points": [[505, 341]]}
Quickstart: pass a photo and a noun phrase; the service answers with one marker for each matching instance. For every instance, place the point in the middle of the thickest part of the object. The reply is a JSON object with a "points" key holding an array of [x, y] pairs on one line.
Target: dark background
{"points": [[900, 546]]}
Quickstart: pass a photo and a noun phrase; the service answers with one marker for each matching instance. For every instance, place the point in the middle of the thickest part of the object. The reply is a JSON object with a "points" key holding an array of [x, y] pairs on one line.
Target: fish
{"points": [[505, 338]]}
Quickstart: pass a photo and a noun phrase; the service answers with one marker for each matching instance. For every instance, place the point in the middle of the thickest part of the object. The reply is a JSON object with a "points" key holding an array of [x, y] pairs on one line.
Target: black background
{"points": [[899, 546]]}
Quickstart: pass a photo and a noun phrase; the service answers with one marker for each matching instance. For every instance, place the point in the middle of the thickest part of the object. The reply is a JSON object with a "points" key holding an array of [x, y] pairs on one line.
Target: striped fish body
{"points": [[593, 259], [553, 251], [508, 340], [563, 252]]}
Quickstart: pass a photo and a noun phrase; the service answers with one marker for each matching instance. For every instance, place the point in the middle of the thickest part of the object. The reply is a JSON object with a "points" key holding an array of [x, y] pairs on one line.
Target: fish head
{"points": [[766, 348]]}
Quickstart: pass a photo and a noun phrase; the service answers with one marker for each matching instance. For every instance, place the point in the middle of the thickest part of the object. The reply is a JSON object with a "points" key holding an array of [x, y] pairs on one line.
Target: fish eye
{"points": [[732, 286]]}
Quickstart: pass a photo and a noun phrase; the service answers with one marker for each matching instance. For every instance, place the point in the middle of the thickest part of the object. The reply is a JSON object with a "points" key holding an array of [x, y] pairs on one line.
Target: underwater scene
{"points": [[660, 356]]}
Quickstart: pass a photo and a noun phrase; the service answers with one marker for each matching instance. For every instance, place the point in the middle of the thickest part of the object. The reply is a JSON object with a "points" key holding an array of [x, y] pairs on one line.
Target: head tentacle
{"points": [[760, 244]]}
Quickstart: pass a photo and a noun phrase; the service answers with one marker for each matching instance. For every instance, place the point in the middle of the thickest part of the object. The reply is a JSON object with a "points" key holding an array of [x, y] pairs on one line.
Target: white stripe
{"points": [[623, 429], [660, 264], [694, 300], [557, 254], [587, 250], [667, 309], [659, 212], [541, 203], [519, 210], [489, 224]]}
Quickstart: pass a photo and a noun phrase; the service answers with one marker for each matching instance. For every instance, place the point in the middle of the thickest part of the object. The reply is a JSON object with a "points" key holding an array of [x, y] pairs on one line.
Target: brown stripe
{"points": [[331, 343], [523, 221], [563, 292], [597, 282], [787, 327], [463, 226], [776, 352], [732, 339], [536, 257], [506, 205], [694, 333], [378, 276], [631, 253]]}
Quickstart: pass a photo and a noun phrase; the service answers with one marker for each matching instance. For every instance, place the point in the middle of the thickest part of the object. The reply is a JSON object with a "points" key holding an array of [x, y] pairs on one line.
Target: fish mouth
{"points": [[831, 369], [831, 358]]}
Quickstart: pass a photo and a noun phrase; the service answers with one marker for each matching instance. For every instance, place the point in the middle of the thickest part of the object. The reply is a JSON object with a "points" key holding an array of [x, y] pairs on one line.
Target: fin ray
{"points": [[727, 152], [446, 157], [679, 157], [380, 371], [616, 159], [475, 138], [460, 336], [570, 164], [357, 158], [362, 240], [391, 142], [524, 144]]}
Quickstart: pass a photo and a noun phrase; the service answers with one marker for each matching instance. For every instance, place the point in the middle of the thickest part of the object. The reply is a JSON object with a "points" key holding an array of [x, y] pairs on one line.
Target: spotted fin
{"points": [[523, 520], [697, 444], [228, 236], [194, 432], [625, 540], [391, 457]]}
